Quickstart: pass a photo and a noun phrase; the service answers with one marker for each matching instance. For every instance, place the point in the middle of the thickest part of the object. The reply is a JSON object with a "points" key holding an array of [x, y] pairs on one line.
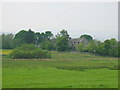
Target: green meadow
{"points": [[64, 70]]}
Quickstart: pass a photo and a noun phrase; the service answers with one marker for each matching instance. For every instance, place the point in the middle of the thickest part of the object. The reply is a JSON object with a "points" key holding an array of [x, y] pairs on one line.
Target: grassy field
{"points": [[64, 70]]}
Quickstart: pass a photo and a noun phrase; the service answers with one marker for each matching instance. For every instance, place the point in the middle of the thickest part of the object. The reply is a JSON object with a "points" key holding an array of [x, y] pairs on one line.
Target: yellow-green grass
{"points": [[64, 70]]}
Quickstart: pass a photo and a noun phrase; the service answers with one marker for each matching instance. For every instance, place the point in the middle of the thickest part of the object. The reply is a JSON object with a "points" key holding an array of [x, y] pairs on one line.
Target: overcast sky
{"points": [[98, 19]]}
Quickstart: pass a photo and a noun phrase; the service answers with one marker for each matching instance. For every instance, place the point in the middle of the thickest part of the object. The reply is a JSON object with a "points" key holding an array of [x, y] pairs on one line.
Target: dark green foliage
{"points": [[47, 45], [64, 33], [106, 48], [30, 37], [0, 41], [119, 49], [24, 37], [46, 41], [62, 43], [38, 38], [111, 47], [88, 37], [48, 34], [29, 51], [19, 38], [7, 41]]}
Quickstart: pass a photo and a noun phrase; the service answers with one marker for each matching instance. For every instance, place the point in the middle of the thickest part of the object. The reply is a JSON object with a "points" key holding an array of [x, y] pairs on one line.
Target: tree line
{"points": [[60, 42], [110, 47]]}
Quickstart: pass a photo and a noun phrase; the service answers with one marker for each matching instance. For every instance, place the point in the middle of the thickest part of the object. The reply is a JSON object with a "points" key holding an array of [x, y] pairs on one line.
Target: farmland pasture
{"points": [[64, 70]]}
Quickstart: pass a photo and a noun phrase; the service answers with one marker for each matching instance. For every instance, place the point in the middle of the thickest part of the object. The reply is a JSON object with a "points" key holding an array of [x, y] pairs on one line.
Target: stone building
{"points": [[75, 41]]}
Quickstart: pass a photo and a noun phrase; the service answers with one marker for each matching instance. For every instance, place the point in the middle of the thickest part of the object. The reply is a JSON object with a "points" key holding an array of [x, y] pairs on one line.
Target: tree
{"points": [[88, 37], [62, 41], [7, 41], [30, 37], [111, 47], [19, 38], [0, 41], [42, 37], [118, 49], [108, 47], [38, 38], [48, 34], [63, 33], [23, 37], [47, 45]]}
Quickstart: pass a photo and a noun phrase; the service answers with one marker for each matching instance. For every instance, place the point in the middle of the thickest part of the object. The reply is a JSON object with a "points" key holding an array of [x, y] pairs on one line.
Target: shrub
{"points": [[80, 47], [29, 51]]}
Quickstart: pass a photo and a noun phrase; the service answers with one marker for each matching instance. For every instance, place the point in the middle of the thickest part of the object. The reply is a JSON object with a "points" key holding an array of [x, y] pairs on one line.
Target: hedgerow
{"points": [[29, 51]]}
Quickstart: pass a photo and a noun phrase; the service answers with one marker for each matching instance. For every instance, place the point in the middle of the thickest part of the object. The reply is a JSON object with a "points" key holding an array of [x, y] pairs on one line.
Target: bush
{"points": [[80, 47], [29, 51]]}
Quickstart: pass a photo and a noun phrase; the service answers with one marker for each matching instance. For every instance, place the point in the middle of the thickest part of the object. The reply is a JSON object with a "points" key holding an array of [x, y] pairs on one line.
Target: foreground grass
{"points": [[64, 70]]}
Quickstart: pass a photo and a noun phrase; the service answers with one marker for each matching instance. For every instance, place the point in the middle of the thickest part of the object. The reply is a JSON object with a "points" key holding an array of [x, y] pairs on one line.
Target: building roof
{"points": [[76, 40]]}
